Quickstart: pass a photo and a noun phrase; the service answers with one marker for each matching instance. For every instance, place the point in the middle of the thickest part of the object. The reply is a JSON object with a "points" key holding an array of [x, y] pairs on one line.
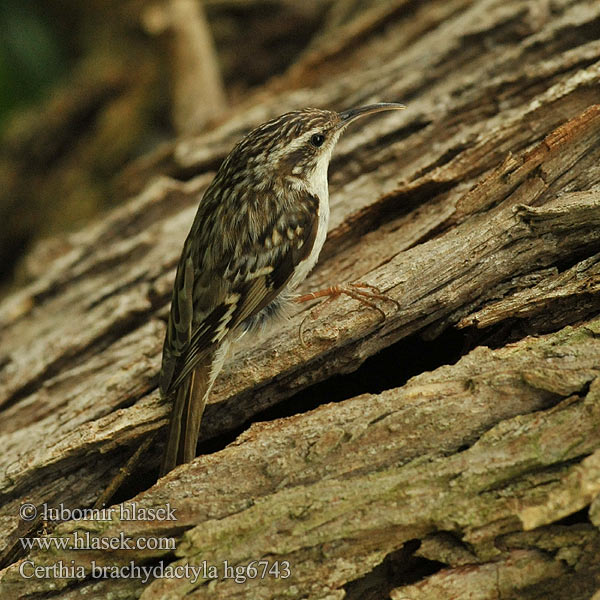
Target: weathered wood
{"points": [[465, 449], [478, 208]]}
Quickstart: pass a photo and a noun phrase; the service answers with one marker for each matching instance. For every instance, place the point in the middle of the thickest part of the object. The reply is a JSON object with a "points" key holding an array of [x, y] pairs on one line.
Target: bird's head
{"points": [[296, 145]]}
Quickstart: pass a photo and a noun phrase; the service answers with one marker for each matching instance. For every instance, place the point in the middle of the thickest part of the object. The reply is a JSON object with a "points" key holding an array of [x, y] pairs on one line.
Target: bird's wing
{"points": [[209, 304]]}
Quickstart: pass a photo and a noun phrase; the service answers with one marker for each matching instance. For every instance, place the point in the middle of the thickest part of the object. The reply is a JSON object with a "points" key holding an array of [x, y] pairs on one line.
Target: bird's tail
{"points": [[186, 414], [188, 407]]}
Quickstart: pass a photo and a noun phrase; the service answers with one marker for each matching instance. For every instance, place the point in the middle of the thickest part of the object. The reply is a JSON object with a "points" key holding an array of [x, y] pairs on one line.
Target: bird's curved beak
{"points": [[347, 116]]}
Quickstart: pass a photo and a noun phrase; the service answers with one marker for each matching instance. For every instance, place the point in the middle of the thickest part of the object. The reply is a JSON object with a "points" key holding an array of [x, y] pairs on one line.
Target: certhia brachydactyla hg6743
{"points": [[257, 234]]}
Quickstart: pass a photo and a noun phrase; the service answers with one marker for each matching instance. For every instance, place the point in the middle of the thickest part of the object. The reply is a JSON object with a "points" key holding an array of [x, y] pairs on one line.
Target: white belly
{"points": [[318, 187]]}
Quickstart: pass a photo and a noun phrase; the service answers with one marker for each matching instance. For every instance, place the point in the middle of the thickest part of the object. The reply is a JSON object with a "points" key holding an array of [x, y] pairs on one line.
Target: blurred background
{"points": [[87, 87]]}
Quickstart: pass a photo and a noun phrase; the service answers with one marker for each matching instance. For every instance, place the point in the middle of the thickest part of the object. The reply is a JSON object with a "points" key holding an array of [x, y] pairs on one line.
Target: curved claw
{"points": [[301, 331]]}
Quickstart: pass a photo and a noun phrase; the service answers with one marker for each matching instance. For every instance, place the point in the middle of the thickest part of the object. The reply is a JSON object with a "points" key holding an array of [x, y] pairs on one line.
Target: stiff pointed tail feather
{"points": [[189, 400], [186, 415]]}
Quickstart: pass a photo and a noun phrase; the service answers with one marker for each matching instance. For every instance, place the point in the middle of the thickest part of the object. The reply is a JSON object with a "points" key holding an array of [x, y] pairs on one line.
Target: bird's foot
{"points": [[365, 293]]}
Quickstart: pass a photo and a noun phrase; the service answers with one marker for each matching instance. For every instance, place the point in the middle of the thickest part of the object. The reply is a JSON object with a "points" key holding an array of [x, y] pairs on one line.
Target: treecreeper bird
{"points": [[257, 234]]}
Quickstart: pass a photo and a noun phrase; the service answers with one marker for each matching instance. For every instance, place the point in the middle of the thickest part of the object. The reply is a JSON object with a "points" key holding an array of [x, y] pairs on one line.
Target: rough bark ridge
{"points": [[477, 210]]}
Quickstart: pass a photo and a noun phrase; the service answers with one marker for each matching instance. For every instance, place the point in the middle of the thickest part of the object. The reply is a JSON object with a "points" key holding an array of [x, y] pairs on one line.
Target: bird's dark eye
{"points": [[317, 139]]}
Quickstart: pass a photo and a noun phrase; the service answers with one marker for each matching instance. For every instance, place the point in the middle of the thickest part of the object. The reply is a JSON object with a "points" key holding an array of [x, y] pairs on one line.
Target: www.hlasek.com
{"points": [[256, 569], [86, 540]]}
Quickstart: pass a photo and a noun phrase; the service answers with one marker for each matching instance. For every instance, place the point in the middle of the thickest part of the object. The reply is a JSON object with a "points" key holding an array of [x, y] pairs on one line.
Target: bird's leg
{"points": [[365, 293]]}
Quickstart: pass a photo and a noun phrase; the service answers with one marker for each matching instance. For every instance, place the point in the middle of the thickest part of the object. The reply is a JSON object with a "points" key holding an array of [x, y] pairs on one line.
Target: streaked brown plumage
{"points": [[258, 232]]}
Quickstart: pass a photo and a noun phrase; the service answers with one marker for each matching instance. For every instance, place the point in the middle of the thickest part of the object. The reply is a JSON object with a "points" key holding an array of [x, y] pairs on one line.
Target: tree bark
{"points": [[463, 460]]}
